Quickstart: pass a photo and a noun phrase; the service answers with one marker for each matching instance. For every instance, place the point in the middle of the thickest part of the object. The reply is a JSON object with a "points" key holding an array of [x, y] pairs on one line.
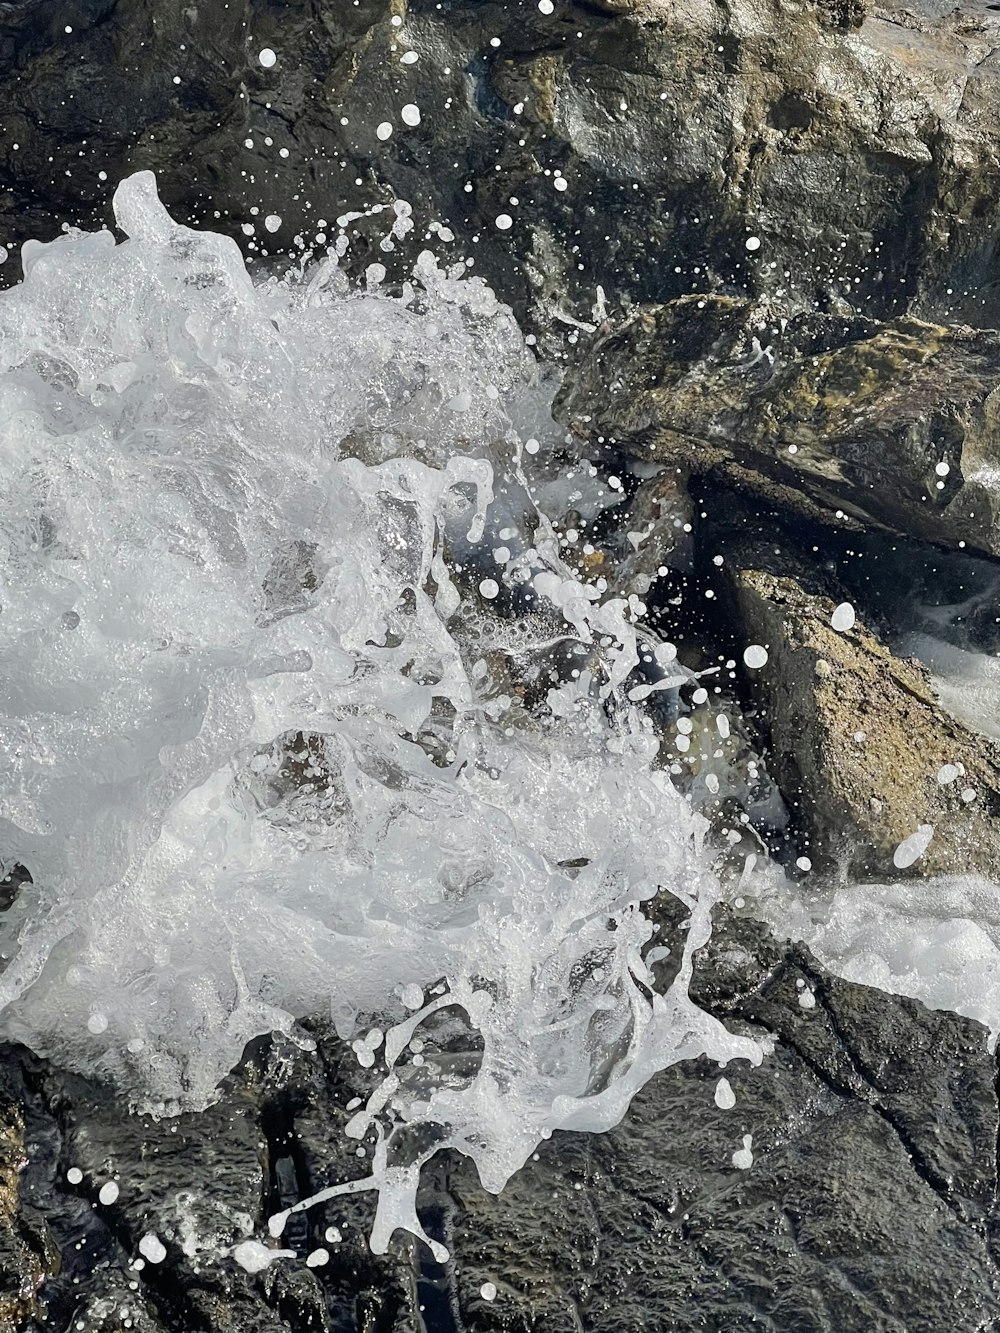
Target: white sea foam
{"points": [[936, 940], [273, 744]]}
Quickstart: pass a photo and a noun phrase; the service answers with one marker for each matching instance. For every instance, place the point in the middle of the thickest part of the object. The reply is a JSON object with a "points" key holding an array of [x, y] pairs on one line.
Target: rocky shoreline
{"points": [[760, 240]]}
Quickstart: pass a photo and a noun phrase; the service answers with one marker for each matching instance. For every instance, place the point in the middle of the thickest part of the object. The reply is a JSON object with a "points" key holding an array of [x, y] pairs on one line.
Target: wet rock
{"points": [[859, 746], [858, 144], [838, 420], [113, 1299], [868, 1203], [840, 1221], [25, 1252]]}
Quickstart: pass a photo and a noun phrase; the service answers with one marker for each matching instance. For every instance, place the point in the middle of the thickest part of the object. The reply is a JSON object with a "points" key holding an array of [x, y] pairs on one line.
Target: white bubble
{"points": [[74, 1175], [804, 863], [722, 726], [272, 222], [109, 1192], [488, 1291], [546, 6], [942, 469], [383, 131], [318, 1258], [505, 221], [753, 243], [561, 183], [755, 656], [911, 849], [332, 1236], [807, 1000], [843, 617], [267, 57], [743, 1157], [254, 1257], [725, 1098], [531, 446], [97, 1023], [968, 795], [410, 114], [152, 1248], [948, 773], [409, 58], [489, 588]]}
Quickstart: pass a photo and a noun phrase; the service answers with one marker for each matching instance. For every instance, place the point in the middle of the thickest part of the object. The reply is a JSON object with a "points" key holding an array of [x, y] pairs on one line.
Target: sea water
{"points": [[304, 713]]}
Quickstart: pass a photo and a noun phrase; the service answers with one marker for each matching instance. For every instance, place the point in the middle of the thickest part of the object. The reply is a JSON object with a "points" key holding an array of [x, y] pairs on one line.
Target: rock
{"points": [[845, 1219], [25, 1252], [858, 744], [858, 144], [868, 1203], [893, 425]]}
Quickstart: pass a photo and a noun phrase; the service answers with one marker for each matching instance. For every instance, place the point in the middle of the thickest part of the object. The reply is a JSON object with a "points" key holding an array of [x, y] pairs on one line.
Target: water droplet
{"points": [[843, 617], [725, 1098]]}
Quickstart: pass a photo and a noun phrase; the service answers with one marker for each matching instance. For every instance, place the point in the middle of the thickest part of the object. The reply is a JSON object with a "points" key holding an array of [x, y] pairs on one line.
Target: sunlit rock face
{"points": [[284, 730], [646, 141]]}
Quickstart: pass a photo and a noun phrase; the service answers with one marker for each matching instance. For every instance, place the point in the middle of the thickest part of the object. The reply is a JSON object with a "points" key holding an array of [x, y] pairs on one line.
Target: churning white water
{"points": [[303, 713]]}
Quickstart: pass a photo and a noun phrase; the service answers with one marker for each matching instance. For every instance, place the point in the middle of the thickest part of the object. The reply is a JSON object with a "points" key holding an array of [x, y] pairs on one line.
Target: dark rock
{"points": [[869, 1204], [838, 420], [847, 1218], [860, 146]]}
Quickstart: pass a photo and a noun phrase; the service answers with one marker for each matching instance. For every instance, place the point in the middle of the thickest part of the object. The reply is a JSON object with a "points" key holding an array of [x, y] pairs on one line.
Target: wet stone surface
{"points": [[857, 143], [869, 1201]]}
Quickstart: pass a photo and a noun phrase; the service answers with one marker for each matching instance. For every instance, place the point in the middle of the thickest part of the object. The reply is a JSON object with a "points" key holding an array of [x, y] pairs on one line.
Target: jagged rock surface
{"points": [[857, 739], [861, 145], [871, 1202], [843, 421]]}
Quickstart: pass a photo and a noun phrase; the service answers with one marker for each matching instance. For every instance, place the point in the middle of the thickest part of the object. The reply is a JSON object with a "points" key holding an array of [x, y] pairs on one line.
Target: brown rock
{"points": [[857, 737], [840, 420]]}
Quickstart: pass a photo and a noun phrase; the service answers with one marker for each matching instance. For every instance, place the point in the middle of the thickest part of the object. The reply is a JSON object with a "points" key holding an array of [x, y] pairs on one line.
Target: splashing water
{"points": [[268, 751]]}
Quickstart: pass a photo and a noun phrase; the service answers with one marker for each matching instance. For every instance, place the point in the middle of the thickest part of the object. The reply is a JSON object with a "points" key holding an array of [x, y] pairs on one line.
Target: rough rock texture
{"points": [[25, 1256], [857, 739], [835, 419], [652, 1226], [871, 1201], [861, 145]]}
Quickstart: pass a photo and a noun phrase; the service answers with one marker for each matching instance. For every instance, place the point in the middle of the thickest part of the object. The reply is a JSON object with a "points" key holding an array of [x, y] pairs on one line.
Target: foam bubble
{"points": [[152, 1248], [725, 1098], [912, 848], [843, 617]]}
